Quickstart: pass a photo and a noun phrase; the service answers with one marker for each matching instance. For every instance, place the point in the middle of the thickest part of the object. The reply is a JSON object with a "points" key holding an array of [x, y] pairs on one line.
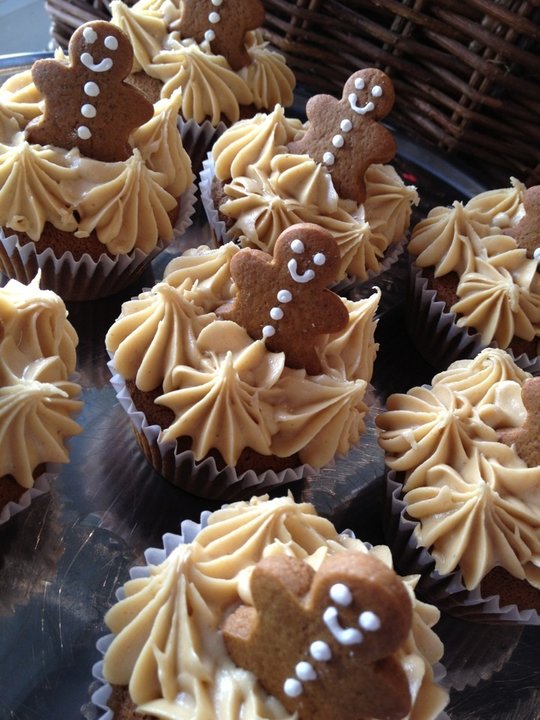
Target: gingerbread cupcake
{"points": [[241, 369], [464, 506], [475, 278], [37, 398], [110, 181], [266, 173], [178, 648]]}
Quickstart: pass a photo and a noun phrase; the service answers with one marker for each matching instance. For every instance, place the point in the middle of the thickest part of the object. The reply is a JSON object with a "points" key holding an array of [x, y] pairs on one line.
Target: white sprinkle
{"points": [[346, 125], [268, 331], [91, 89], [320, 651], [209, 35], [88, 111], [328, 158], [304, 671], [284, 296], [292, 688], [83, 132], [111, 43], [359, 83], [376, 91], [214, 17], [276, 313], [319, 258], [338, 141], [297, 246], [369, 621], [341, 594]]}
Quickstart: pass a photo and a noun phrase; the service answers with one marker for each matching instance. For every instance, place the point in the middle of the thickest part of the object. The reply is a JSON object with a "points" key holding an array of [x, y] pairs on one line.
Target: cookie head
{"points": [[305, 254], [369, 92], [324, 642], [101, 48]]}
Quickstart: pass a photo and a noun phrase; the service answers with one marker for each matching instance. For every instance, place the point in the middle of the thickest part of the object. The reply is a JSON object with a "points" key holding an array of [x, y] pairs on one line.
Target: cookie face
{"points": [[345, 135], [87, 103], [222, 23], [527, 232], [284, 299], [526, 439], [323, 642]]}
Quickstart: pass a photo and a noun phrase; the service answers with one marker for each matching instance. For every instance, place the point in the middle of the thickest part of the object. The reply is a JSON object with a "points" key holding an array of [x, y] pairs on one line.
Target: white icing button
{"points": [[284, 296], [536, 254], [376, 91], [90, 35], [292, 688], [369, 621], [83, 132], [217, 3], [209, 35], [111, 42], [297, 246], [276, 313], [268, 331], [359, 83], [88, 111], [328, 158], [341, 594], [319, 258], [91, 89], [320, 651], [346, 125], [304, 671], [214, 17], [338, 141]]}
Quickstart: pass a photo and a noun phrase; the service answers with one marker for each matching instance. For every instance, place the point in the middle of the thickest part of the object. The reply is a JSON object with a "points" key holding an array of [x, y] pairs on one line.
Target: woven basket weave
{"points": [[466, 72]]}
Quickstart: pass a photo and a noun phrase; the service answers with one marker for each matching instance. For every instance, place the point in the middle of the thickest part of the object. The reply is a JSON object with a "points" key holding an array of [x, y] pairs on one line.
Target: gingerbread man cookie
{"points": [[527, 232], [284, 299], [526, 439], [223, 23], [345, 135], [323, 642], [87, 103]]}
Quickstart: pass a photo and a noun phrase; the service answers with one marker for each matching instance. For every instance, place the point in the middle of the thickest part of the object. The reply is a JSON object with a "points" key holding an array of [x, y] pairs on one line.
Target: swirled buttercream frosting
{"points": [[37, 399], [477, 502], [167, 648], [225, 390], [498, 286], [210, 88], [127, 204]]}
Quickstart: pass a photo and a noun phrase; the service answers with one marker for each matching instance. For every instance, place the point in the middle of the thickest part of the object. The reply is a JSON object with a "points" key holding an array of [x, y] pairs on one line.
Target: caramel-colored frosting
{"points": [[499, 287], [215, 376], [476, 500], [267, 189], [210, 88], [125, 203], [37, 401], [168, 649]]}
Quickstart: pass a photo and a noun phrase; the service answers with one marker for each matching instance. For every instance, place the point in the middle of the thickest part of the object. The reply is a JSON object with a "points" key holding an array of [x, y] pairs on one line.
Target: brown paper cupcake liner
{"points": [[40, 487], [85, 279], [202, 478], [436, 334], [198, 138], [448, 592]]}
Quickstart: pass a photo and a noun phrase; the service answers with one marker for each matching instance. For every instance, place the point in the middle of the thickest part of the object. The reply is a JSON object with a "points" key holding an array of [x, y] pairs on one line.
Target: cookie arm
{"points": [[48, 75]]}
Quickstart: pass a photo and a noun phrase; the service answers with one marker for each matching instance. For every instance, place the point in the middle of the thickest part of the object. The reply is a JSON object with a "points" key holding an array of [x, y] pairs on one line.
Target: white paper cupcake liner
{"points": [[85, 279], [436, 334], [41, 486], [202, 478], [448, 592]]}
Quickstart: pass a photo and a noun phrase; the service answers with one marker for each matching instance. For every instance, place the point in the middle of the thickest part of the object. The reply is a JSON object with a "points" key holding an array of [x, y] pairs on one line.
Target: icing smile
{"points": [[103, 66], [304, 277], [353, 102]]}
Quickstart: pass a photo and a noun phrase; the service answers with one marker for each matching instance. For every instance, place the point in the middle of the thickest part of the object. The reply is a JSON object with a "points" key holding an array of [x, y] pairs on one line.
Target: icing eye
{"points": [[340, 593], [376, 91], [111, 43], [90, 35], [319, 258], [359, 83], [369, 621], [297, 246]]}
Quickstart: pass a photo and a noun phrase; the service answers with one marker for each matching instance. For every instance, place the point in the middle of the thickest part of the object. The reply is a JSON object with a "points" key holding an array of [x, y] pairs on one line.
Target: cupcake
{"points": [[465, 503], [475, 278], [171, 652], [269, 172], [237, 376], [214, 53], [37, 399], [110, 181]]}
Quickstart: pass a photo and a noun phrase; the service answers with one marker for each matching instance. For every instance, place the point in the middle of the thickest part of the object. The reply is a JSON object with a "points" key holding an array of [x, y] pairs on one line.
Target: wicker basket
{"points": [[466, 73]]}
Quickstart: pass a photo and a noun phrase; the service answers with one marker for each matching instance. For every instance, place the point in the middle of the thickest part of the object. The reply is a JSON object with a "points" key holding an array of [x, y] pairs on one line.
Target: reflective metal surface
{"points": [[63, 558]]}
